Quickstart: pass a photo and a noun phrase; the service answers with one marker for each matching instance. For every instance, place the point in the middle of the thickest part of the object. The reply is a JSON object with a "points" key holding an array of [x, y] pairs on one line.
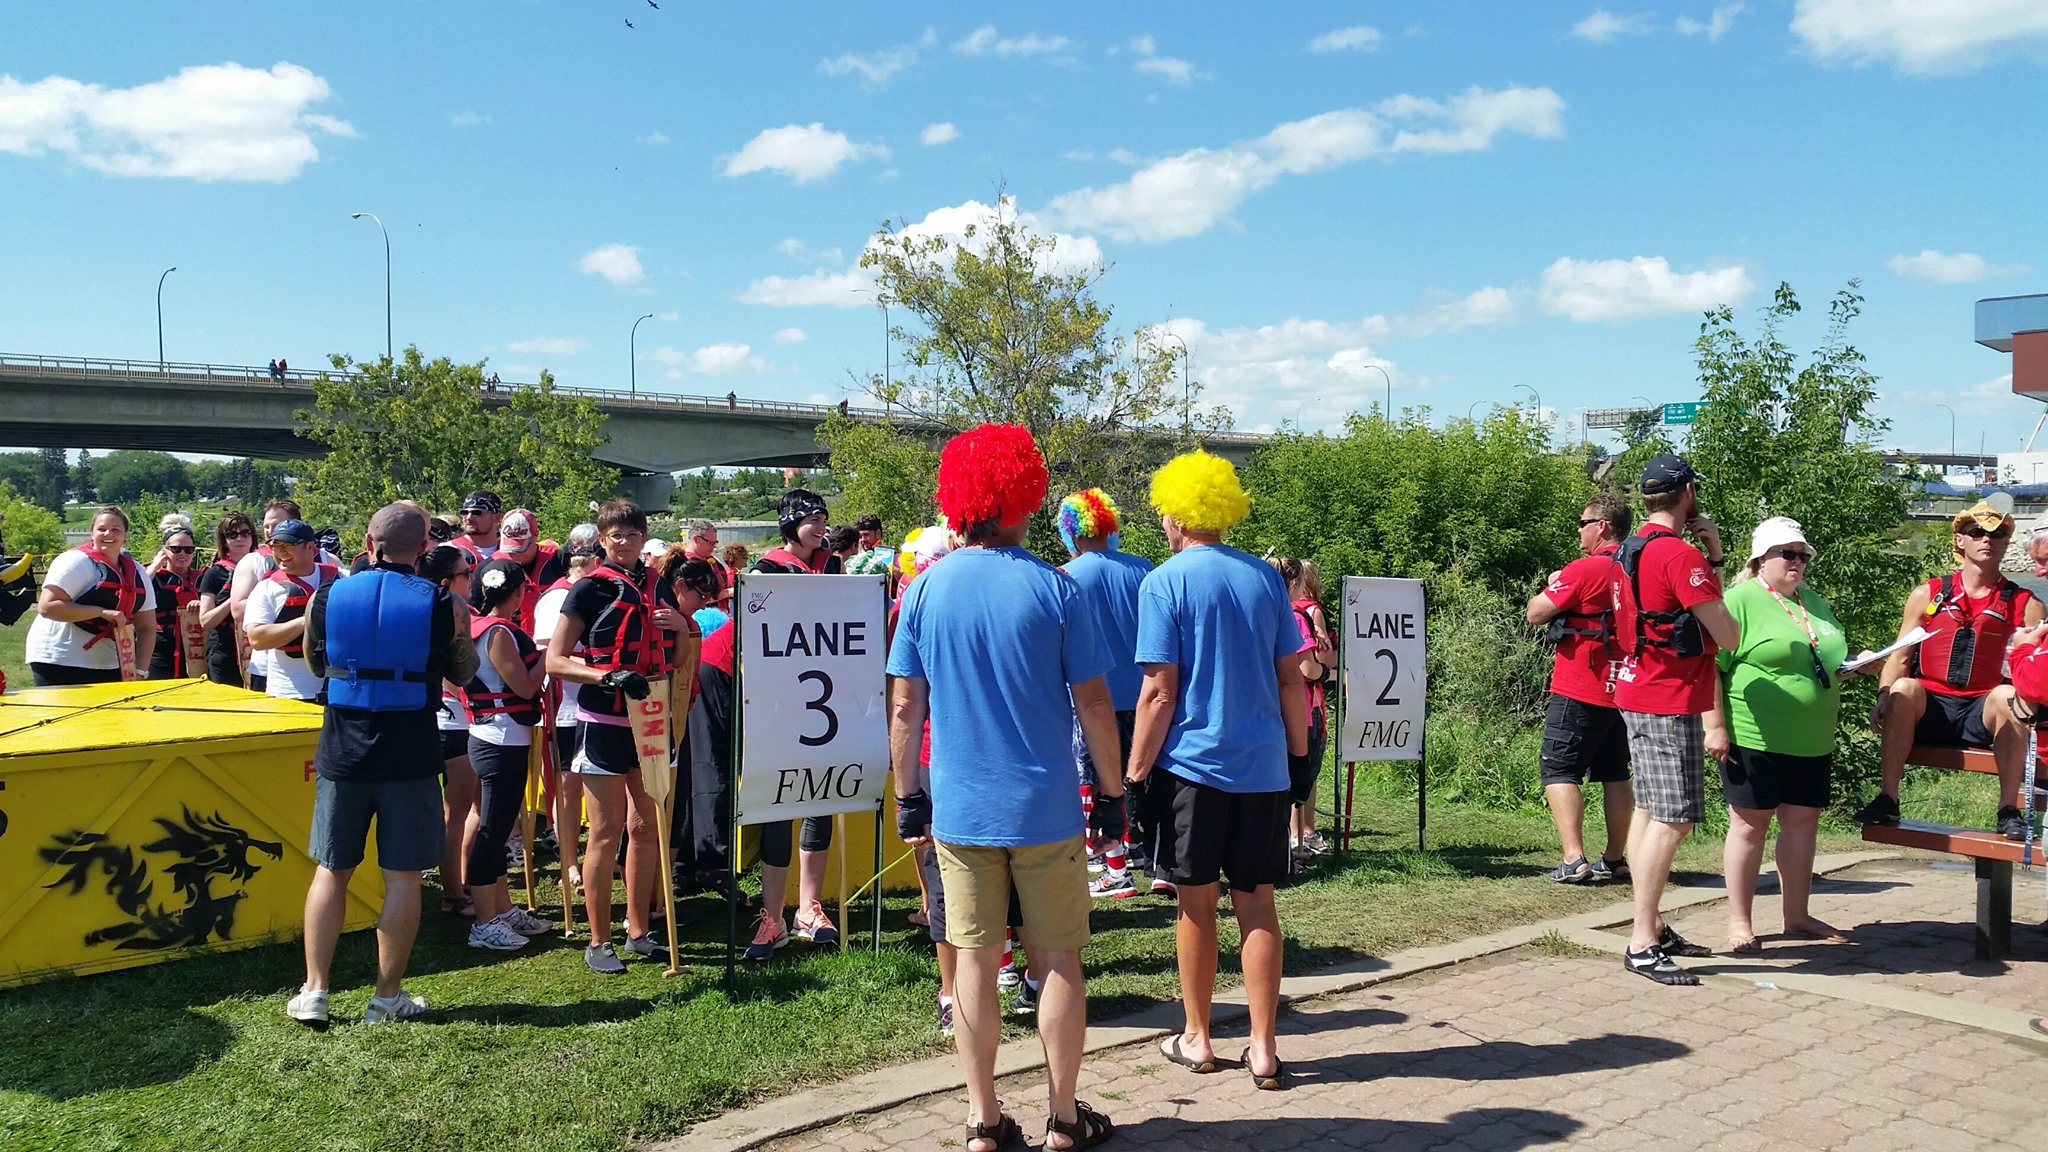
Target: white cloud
{"points": [[1172, 68], [1943, 268], [652, 138], [1919, 36], [941, 133], [724, 359], [1188, 194], [1481, 309], [803, 152], [1611, 290], [618, 263], [875, 68], [1358, 37], [208, 122], [803, 253], [1602, 26], [789, 336], [852, 288], [547, 346], [1717, 24], [1319, 369], [469, 119], [983, 41]]}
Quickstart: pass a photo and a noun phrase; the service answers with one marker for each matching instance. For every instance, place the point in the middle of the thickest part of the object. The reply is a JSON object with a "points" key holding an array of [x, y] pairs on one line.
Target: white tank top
{"points": [[499, 729]]}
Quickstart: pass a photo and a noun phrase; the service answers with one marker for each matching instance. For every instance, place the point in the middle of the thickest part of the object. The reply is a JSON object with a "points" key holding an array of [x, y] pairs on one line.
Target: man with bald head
{"points": [[382, 641]]}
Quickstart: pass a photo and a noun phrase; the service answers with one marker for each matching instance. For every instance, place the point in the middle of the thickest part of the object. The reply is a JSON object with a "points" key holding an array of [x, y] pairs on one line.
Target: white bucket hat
{"points": [[1777, 532]]}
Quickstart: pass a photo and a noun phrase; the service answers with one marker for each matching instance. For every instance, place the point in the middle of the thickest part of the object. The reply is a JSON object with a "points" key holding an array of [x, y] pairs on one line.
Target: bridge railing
{"points": [[150, 371]]}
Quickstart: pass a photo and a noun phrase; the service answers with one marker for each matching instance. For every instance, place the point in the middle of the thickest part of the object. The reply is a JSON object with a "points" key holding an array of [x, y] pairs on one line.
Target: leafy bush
{"points": [[29, 527]]}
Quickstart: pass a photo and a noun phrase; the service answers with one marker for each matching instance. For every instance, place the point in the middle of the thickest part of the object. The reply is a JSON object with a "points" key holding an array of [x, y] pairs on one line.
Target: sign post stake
{"points": [[1340, 803], [732, 826], [879, 805]]}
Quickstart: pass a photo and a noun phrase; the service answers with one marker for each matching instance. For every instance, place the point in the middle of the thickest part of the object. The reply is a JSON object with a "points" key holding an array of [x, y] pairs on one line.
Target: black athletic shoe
{"points": [[1653, 963], [2012, 823], [1882, 809], [1675, 945]]}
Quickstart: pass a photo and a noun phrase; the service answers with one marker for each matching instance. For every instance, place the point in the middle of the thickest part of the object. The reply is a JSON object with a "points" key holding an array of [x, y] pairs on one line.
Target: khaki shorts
{"points": [[1052, 887]]}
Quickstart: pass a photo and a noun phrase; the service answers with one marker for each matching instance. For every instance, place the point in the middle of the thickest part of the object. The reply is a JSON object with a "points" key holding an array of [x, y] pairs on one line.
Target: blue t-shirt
{"points": [[1222, 618], [1111, 580], [999, 635]]}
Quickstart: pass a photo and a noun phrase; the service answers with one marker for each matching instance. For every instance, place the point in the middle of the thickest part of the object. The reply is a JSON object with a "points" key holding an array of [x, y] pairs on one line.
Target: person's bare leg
{"points": [[1063, 1029], [949, 968], [1568, 812], [607, 796], [1656, 844], [1742, 855], [1258, 923], [1797, 827], [458, 800], [1908, 703], [977, 1030], [774, 889], [2008, 744], [396, 927], [1194, 950], [326, 908], [810, 877], [1618, 805], [644, 868]]}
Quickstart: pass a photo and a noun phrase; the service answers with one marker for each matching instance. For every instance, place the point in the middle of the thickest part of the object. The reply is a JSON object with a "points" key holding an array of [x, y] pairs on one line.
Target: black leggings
{"points": [[1302, 771], [66, 675], [501, 769], [222, 669], [775, 839]]}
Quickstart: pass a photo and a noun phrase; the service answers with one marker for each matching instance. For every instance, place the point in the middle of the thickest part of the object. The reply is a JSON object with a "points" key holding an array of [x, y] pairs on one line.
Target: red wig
{"points": [[991, 472]]}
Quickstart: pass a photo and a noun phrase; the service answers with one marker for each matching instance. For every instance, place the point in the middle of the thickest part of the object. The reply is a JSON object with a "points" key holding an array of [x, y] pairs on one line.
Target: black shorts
{"points": [[1582, 742], [1206, 833], [1303, 770], [454, 743], [1953, 722], [1753, 779]]}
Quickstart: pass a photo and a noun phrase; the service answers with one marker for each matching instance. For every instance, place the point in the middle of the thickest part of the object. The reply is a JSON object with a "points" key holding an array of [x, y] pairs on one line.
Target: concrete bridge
{"points": [[79, 402]]}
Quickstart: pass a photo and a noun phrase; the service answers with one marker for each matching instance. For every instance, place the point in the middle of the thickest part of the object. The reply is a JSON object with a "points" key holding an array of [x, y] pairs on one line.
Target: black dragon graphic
{"points": [[208, 852]]}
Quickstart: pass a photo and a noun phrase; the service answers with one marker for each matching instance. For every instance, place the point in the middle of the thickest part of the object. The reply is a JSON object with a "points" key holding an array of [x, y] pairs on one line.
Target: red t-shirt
{"points": [[1585, 586], [1673, 575]]}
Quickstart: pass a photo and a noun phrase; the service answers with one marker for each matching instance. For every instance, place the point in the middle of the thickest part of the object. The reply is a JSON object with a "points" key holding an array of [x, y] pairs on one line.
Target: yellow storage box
{"points": [[153, 820]]}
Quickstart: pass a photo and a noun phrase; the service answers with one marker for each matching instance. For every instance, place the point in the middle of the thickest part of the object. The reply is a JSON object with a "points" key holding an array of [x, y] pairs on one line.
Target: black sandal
{"points": [[1675, 945], [1088, 1129], [1004, 1132], [1277, 1082], [1653, 963], [1171, 1050]]}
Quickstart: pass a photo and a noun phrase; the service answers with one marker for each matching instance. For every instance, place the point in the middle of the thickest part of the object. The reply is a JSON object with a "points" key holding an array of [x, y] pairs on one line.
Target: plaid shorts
{"points": [[1670, 756]]}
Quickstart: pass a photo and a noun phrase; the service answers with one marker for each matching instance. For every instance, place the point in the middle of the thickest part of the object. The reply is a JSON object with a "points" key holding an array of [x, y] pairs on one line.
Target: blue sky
{"points": [[1481, 199]]}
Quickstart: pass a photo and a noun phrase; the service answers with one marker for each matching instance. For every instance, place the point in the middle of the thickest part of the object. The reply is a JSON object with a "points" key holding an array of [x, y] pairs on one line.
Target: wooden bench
{"points": [[1992, 853]]}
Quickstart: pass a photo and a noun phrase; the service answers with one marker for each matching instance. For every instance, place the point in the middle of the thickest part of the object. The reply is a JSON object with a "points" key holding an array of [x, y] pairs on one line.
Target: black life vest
{"points": [[1679, 628], [624, 635], [1966, 651], [173, 594], [295, 602], [119, 586], [1595, 626], [481, 700]]}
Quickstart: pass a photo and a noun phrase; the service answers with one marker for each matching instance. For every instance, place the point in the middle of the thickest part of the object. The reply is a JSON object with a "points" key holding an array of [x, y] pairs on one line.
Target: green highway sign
{"points": [[1681, 413]]}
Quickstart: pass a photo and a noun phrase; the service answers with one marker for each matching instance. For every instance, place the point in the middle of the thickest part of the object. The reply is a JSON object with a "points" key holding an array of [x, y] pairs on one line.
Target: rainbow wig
{"points": [[1200, 492], [991, 472], [1089, 512]]}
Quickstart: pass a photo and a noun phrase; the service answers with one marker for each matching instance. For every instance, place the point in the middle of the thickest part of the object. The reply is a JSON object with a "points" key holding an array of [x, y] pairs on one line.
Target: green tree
{"points": [[127, 473], [54, 483], [999, 326], [83, 483], [420, 429], [897, 473], [20, 471], [27, 526]]}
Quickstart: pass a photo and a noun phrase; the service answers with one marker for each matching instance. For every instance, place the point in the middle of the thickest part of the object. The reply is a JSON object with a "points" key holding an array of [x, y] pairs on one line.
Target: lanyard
{"points": [[1804, 619]]}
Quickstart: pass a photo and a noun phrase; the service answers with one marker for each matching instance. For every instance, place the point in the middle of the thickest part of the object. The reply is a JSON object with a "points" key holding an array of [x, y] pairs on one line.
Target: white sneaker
{"points": [[400, 1007], [515, 855], [309, 1007], [497, 935], [526, 923]]}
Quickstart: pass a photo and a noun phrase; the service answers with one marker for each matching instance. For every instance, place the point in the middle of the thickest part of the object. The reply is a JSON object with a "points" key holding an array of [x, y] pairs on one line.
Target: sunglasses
{"points": [[177, 551], [1977, 532], [1792, 555], [1593, 521], [242, 534], [1820, 669]]}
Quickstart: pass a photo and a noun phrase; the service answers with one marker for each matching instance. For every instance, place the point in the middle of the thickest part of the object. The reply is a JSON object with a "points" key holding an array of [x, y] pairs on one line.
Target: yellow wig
{"points": [[1200, 491]]}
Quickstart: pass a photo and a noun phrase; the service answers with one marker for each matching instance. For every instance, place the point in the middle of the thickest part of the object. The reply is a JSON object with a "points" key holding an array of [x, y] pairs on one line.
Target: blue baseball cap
{"points": [[293, 532]]}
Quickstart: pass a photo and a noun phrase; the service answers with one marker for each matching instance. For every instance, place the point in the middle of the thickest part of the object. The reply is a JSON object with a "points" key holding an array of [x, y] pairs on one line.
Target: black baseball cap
{"points": [[1668, 473], [482, 500]]}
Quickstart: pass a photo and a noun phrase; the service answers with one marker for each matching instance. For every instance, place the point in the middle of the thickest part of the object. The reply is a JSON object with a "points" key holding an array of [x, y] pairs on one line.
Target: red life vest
{"points": [[631, 640], [529, 592], [1965, 656], [824, 562], [295, 602], [480, 699], [119, 587]]}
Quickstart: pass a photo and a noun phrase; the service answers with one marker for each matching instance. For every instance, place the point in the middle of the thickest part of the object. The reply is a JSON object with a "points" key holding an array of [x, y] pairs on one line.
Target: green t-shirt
{"points": [[1774, 702]]}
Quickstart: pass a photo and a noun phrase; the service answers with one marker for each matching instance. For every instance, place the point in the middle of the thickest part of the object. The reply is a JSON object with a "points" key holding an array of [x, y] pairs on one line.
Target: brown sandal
{"points": [[1088, 1129], [1004, 1132]]}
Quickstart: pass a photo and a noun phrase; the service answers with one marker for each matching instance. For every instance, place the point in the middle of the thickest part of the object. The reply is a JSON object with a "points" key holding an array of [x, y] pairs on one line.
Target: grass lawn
{"points": [[12, 639], [531, 1051]]}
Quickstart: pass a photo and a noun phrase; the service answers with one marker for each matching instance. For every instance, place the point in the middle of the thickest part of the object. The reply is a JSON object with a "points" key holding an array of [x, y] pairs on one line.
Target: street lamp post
{"points": [[387, 275], [1951, 427], [160, 319], [1536, 396], [1470, 407], [1390, 389], [633, 357]]}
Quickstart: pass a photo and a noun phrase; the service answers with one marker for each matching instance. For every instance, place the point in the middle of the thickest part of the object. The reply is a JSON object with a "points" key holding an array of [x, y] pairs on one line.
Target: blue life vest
{"points": [[379, 626]]}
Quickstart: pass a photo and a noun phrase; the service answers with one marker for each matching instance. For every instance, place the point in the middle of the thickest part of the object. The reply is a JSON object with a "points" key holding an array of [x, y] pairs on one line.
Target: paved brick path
{"points": [[1849, 1051]]}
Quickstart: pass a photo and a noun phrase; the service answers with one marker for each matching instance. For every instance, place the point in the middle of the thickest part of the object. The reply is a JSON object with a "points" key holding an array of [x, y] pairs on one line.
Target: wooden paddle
{"points": [[193, 637], [124, 646], [535, 783], [651, 720]]}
